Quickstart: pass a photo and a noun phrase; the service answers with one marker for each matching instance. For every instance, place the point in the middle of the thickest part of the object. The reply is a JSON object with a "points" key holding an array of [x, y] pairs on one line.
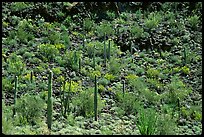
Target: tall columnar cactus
{"points": [[131, 47], [15, 94], [160, 53], [31, 77], [109, 49], [123, 87], [66, 104], [79, 64], [105, 48], [95, 99], [49, 101], [94, 61]]}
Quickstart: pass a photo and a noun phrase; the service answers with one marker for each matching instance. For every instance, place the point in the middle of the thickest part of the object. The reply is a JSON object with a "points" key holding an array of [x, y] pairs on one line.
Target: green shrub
{"points": [[193, 21], [147, 121], [166, 125], [176, 90], [7, 121], [30, 108], [128, 102], [88, 24], [103, 28], [153, 20], [84, 103], [48, 50], [16, 65], [114, 66]]}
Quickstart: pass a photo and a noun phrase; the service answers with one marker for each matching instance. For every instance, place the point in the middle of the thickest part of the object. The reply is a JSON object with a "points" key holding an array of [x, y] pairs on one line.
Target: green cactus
{"points": [[160, 53], [79, 64], [123, 88], [109, 49], [105, 48], [95, 99], [66, 104], [49, 101], [131, 47], [15, 94], [94, 62], [31, 77]]}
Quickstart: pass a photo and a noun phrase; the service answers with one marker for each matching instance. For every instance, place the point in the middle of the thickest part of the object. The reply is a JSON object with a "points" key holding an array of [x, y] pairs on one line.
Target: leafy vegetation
{"points": [[146, 57]]}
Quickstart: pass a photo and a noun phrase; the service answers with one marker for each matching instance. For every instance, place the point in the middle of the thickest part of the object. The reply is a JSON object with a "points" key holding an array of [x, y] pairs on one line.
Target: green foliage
{"points": [[103, 81], [7, 121], [75, 86], [152, 73], [56, 70], [48, 50], [30, 108], [193, 21], [111, 15], [16, 65], [25, 31], [166, 125], [147, 120], [49, 101], [185, 70], [153, 20], [138, 85], [114, 66], [109, 77], [88, 24], [84, 103], [136, 31], [103, 28], [19, 6], [176, 90], [7, 86], [128, 102], [71, 59]]}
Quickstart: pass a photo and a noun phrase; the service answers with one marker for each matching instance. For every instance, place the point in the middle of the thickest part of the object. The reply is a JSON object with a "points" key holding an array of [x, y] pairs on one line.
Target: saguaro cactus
{"points": [[49, 101], [31, 77], [66, 104], [79, 64], [94, 61], [15, 94], [95, 99], [105, 48]]}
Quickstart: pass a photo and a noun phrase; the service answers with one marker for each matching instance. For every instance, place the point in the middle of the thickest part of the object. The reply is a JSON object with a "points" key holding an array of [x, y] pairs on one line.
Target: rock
{"points": [[73, 74]]}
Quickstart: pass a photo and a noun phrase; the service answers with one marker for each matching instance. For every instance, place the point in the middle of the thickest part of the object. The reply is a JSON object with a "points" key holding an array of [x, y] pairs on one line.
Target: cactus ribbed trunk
{"points": [[49, 101], [109, 49], [95, 99], [105, 48], [79, 64], [94, 58], [15, 94], [67, 99], [160, 53], [31, 77]]}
